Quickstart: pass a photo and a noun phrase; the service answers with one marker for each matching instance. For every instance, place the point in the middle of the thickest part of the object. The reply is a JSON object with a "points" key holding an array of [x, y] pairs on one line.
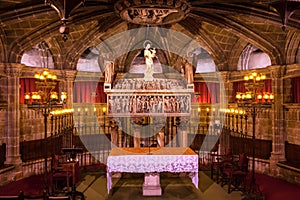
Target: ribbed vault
{"points": [[223, 28]]}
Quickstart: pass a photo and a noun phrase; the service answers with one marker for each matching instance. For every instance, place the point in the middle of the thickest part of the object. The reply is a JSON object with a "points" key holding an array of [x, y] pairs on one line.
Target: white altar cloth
{"points": [[165, 159]]}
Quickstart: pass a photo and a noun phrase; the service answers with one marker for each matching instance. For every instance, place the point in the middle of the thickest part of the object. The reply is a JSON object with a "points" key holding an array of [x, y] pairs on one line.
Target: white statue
{"points": [[188, 70], [149, 54], [109, 71]]}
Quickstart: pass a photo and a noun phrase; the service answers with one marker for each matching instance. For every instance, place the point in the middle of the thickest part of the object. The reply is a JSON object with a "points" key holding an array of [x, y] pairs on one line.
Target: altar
{"points": [[152, 160]]}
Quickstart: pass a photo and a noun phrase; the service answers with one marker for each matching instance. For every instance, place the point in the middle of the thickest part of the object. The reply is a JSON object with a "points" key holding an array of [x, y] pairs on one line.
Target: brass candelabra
{"points": [[253, 100]]}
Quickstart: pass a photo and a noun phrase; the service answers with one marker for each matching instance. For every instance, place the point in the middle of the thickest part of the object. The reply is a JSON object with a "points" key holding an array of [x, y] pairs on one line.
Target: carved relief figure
{"points": [[148, 104]]}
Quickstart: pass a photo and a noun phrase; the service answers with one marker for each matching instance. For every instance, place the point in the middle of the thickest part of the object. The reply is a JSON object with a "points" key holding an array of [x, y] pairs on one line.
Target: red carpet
{"points": [[277, 189], [35, 185], [31, 186]]}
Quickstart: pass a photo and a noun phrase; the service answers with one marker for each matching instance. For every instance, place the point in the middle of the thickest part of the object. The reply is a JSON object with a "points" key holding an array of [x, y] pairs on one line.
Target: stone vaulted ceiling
{"points": [[222, 27]]}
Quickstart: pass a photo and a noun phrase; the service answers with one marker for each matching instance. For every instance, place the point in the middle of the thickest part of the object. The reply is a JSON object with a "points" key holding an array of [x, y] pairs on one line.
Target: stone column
{"points": [[12, 127], [225, 98], [278, 152], [68, 86]]}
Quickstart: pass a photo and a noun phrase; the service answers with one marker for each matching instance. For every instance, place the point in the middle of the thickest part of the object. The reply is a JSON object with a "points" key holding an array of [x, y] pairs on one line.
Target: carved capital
{"points": [[277, 71], [13, 69], [224, 76], [70, 75]]}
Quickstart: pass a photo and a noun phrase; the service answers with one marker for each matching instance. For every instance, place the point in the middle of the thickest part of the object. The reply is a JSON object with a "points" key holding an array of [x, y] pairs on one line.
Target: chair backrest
{"points": [[55, 160], [243, 162], [228, 154]]}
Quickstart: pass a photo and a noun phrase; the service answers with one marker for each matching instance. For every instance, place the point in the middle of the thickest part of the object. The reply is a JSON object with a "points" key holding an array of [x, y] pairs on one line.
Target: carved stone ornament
{"points": [[152, 12]]}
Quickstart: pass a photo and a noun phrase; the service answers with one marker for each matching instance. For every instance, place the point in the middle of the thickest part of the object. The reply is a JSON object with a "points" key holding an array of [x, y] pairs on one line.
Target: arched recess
{"points": [[253, 58], [204, 62], [136, 45], [138, 54], [292, 47], [38, 56], [88, 61]]}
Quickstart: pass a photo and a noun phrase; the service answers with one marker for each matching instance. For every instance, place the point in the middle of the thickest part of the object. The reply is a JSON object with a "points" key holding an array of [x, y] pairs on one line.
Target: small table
{"points": [[165, 159]]}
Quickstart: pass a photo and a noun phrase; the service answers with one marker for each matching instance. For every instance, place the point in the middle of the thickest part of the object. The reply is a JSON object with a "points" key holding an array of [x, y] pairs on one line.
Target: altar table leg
{"points": [[195, 178], [109, 182]]}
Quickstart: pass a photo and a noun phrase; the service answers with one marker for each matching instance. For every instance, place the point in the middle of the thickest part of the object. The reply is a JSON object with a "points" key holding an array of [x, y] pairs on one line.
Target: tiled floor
{"points": [[129, 187]]}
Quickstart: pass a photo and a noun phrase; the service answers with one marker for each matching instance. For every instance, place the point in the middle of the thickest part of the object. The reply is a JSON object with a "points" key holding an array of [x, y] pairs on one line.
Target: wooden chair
{"points": [[239, 175], [234, 173], [216, 162], [60, 175]]}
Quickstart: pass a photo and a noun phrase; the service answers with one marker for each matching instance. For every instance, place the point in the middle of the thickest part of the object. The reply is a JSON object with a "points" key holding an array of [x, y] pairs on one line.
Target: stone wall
{"points": [[292, 125]]}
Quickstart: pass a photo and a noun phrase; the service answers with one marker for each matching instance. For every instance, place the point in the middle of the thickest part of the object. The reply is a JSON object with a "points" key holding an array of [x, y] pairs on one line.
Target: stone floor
{"points": [[129, 187]]}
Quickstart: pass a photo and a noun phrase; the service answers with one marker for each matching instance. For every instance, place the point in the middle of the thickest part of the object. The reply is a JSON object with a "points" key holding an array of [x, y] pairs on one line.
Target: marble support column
{"points": [[182, 131], [170, 134], [12, 127], [120, 137], [174, 132], [278, 151], [137, 135], [226, 88], [114, 133]]}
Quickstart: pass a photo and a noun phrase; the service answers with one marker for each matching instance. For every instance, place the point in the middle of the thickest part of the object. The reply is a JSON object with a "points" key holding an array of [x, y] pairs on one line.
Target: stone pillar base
{"points": [[274, 159], [151, 186]]}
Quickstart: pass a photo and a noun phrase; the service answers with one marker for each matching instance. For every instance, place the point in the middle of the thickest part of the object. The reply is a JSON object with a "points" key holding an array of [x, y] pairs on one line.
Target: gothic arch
{"points": [[292, 47], [32, 38], [2, 46], [255, 38]]}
